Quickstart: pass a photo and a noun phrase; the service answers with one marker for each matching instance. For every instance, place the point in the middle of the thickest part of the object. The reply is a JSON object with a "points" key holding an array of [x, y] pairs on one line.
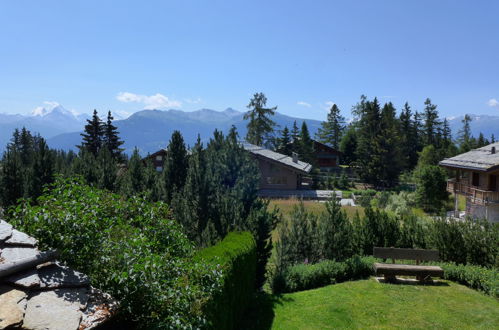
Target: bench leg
{"points": [[424, 278], [389, 278]]}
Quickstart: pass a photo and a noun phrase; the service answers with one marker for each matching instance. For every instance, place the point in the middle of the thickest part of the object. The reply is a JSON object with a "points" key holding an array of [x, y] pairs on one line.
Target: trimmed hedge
{"points": [[309, 276], [235, 257], [475, 277]]}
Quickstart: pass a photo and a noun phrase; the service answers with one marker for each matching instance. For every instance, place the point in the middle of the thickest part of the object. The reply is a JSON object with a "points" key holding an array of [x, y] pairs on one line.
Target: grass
{"points": [[285, 207], [369, 304]]}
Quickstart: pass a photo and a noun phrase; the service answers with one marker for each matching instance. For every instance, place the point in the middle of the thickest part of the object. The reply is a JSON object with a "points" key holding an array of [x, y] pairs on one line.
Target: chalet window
{"points": [[159, 157], [159, 168], [475, 180]]}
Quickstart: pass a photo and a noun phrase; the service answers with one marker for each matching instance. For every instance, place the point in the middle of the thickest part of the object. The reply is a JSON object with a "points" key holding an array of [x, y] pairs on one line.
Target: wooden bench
{"points": [[422, 272]]}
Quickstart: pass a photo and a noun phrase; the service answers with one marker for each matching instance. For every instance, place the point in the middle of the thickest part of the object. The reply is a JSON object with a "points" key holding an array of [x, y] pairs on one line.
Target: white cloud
{"points": [[493, 103], [194, 101], [156, 101], [304, 104]]}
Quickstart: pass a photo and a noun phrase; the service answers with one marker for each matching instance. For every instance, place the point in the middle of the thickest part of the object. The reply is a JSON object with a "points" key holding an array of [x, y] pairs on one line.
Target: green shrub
{"points": [[476, 277], [130, 248], [235, 256], [308, 276]]}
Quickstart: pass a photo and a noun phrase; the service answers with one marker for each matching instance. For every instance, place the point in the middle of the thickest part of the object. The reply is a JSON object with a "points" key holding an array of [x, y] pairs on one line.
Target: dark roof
{"points": [[481, 159], [287, 161], [37, 292], [327, 146]]}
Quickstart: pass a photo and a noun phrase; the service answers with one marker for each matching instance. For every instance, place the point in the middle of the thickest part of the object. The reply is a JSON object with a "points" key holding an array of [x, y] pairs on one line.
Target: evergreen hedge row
{"points": [[309, 276], [476, 277], [235, 257]]}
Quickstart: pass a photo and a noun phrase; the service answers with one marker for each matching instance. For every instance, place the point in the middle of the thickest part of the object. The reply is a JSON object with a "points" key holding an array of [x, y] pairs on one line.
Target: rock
{"points": [[20, 238], [11, 306], [27, 279], [100, 309], [60, 276], [55, 310], [5, 230], [10, 254]]}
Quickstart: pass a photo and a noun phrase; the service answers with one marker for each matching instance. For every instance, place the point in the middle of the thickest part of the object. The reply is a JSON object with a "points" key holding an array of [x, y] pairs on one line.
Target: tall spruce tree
{"points": [[332, 129], [369, 163], [176, 164], [409, 138], [465, 137], [260, 126], [306, 145], [92, 135], [295, 138], [388, 147], [284, 144], [111, 139], [431, 123]]}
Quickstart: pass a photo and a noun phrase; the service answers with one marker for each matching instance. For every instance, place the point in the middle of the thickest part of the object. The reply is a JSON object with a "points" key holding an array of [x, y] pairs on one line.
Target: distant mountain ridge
{"points": [[150, 130]]}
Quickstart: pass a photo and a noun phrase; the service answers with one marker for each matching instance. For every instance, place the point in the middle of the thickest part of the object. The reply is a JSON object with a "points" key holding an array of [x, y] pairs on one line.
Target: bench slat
{"points": [[408, 270], [406, 254]]}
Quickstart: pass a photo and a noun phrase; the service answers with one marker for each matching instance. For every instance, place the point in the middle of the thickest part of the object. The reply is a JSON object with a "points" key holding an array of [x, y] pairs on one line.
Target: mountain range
{"points": [[150, 130]]}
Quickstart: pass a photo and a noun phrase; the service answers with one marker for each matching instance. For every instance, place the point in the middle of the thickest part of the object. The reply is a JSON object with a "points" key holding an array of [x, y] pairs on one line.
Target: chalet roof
{"points": [[298, 166], [37, 292], [327, 146], [481, 159]]}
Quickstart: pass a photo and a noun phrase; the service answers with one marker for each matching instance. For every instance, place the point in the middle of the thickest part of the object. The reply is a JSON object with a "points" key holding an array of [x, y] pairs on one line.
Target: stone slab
{"points": [[60, 276], [55, 310], [27, 279], [5, 230], [11, 306], [20, 238], [10, 254]]}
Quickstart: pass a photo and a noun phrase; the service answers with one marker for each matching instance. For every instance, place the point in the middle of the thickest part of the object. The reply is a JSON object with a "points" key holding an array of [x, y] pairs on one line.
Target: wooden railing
{"points": [[477, 196]]}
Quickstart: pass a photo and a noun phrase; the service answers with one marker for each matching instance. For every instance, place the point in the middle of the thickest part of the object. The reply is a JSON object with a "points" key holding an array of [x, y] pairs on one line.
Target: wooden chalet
{"points": [[278, 171], [327, 158], [476, 178], [158, 159]]}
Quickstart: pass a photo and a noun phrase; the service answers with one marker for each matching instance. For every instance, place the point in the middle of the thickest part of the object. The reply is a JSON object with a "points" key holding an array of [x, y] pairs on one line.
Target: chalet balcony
{"points": [[476, 195]]}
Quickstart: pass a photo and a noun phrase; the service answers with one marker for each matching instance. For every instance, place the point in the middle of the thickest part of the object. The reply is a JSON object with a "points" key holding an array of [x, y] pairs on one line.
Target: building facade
{"points": [[476, 176], [327, 158], [278, 171]]}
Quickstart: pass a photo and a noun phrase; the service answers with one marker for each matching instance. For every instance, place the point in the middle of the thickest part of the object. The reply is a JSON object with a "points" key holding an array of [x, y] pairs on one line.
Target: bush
{"points": [[129, 248], [308, 276], [235, 256], [476, 277]]}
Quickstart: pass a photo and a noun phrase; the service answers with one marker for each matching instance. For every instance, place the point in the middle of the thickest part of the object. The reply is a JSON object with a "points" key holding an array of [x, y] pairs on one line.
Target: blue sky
{"points": [[304, 55]]}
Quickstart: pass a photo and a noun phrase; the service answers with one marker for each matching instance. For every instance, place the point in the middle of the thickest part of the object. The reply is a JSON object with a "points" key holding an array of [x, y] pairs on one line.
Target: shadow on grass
{"points": [[260, 314], [411, 281]]}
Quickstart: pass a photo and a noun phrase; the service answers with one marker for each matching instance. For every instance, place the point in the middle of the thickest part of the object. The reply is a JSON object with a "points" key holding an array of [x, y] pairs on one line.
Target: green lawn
{"points": [[369, 304]]}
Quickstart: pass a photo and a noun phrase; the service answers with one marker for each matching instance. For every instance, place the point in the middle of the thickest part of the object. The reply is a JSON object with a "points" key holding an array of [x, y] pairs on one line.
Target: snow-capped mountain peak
{"points": [[53, 108]]}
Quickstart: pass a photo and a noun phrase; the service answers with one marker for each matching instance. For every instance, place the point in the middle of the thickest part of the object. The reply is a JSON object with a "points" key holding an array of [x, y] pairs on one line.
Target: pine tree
{"points": [[295, 138], [492, 139], [92, 135], [388, 147], [369, 162], [409, 138], [306, 145], [284, 145], [332, 129], [431, 122], [260, 126], [482, 141], [465, 138], [176, 164], [110, 138]]}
